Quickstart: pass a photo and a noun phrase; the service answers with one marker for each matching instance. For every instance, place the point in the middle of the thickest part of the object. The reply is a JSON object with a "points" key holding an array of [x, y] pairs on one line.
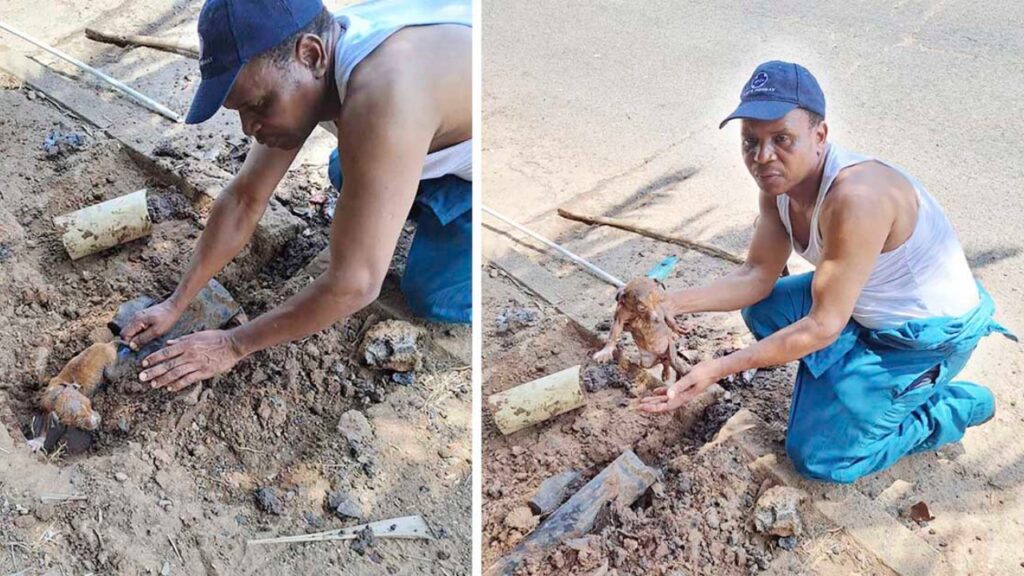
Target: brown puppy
{"points": [[68, 396], [640, 310]]}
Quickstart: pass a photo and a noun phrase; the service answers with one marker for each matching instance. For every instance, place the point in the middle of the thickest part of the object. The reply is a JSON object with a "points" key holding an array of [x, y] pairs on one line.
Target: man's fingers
{"points": [[160, 369], [162, 355], [188, 380], [170, 377], [133, 328], [145, 337], [656, 408]]}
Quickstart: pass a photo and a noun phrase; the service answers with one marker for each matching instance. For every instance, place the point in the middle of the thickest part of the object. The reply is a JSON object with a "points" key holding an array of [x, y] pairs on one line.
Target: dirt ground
{"points": [[698, 518], [177, 484]]}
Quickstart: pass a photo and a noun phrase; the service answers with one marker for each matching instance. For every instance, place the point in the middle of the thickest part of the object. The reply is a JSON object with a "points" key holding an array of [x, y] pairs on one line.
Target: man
{"points": [[881, 327], [394, 82]]}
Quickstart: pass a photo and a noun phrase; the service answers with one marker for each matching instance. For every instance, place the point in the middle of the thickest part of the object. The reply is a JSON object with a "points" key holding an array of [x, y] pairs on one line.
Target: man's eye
{"points": [[749, 143], [782, 139]]}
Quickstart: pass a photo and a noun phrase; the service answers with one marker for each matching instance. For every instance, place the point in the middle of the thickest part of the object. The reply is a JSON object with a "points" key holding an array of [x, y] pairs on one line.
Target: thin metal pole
{"points": [[597, 271], [140, 98]]}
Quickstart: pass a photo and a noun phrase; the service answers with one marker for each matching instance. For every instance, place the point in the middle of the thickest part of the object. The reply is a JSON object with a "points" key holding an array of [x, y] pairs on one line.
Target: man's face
{"points": [[277, 103], [781, 153]]}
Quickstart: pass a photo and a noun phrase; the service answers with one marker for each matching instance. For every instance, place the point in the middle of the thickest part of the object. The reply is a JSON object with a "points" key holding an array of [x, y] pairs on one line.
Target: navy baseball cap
{"points": [[774, 89], [232, 32]]}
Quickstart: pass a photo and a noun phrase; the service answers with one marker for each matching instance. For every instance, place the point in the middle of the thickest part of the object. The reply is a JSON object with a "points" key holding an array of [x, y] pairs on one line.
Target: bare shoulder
{"points": [[413, 59], [870, 187], [420, 73]]}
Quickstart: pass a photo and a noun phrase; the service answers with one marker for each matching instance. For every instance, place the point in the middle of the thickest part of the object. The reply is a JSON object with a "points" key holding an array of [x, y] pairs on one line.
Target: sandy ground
{"points": [[171, 484], [696, 518], [613, 109]]}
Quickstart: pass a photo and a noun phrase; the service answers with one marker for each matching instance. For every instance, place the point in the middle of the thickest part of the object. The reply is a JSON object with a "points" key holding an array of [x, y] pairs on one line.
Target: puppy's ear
{"points": [[620, 294]]}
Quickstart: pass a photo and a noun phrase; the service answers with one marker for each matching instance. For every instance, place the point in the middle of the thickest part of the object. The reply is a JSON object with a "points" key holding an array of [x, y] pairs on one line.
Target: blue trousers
{"points": [[874, 396], [438, 281]]}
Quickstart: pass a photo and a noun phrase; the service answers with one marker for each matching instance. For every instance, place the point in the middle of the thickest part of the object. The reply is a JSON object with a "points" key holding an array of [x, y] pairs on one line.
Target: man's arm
{"points": [[855, 223], [385, 140], [233, 217], [753, 280]]}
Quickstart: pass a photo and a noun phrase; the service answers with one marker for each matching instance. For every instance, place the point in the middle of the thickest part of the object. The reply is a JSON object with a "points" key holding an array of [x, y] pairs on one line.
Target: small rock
{"points": [[344, 506], [166, 570], [354, 426], [522, 519], [787, 542], [25, 522], [392, 345], [268, 501], [363, 541], [919, 513], [515, 318], [161, 458], [712, 518], [442, 555], [272, 412], [404, 378], [776, 511], [120, 477], [43, 512]]}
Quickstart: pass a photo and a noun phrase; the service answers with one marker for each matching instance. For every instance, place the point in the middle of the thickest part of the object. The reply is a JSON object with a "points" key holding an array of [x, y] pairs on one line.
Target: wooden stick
{"points": [[129, 40], [621, 483], [630, 227]]}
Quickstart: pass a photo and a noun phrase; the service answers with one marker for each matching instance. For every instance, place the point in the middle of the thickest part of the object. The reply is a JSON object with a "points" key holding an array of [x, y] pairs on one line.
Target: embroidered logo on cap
{"points": [[759, 80]]}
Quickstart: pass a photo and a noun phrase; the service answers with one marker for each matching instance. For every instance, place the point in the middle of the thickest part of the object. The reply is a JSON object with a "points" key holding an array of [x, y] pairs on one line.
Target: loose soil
{"points": [[697, 519], [178, 483]]}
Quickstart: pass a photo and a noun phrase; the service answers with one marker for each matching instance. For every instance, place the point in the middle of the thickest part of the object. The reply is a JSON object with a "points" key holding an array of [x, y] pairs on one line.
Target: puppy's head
{"points": [[70, 406]]}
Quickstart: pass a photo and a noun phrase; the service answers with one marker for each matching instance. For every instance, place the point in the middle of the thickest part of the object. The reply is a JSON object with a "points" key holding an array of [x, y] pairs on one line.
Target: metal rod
{"points": [[597, 271], [140, 98]]}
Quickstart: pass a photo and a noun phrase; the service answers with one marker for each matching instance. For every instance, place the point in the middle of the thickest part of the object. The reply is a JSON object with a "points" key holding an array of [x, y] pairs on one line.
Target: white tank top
{"points": [[366, 26], [926, 276]]}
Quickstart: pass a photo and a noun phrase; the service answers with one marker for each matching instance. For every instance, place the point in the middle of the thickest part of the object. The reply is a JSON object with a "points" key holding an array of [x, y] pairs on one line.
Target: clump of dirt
{"points": [[185, 480], [697, 519]]}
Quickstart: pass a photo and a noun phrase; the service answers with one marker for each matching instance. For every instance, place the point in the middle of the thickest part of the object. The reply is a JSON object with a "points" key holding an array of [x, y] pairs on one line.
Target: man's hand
{"points": [[189, 359], [151, 323], [668, 398]]}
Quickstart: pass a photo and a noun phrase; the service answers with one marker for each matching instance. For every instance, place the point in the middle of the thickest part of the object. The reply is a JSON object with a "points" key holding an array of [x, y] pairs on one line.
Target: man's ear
{"points": [[821, 134], [311, 52]]}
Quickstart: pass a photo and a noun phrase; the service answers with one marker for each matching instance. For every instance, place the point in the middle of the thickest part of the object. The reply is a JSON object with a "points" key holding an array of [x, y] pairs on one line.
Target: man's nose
{"points": [[249, 124], [765, 153]]}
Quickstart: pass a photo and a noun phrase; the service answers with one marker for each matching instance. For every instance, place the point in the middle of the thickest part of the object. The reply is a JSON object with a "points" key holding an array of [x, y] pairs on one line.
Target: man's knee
{"points": [[452, 303], [788, 301], [759, 317], [438, 279], [827, 463]]}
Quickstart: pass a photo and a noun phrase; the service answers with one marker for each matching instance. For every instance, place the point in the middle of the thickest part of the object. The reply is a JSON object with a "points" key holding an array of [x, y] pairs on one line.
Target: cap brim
{"points": [[211, 95], [760, 110]]}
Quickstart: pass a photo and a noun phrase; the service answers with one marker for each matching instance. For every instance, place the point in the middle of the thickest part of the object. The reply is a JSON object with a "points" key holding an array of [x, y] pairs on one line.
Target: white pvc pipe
{"points": [[597, 271], [104, 225], [140, 98]]}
